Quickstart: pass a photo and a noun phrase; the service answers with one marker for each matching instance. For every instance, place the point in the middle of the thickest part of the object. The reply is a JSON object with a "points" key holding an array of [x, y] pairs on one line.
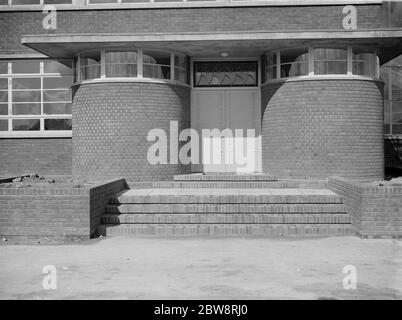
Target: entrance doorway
{"points": [[236, 109], [226, 99]]}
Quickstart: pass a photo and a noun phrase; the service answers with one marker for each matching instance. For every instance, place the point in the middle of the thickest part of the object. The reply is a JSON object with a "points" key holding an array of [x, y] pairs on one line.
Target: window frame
{"points": [[10, 133], [140, 66], [311, 64]]}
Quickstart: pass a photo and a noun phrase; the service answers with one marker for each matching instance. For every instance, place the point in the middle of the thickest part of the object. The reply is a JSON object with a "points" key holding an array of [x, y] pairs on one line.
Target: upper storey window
{"points": [[315, 61], [32, 2]]}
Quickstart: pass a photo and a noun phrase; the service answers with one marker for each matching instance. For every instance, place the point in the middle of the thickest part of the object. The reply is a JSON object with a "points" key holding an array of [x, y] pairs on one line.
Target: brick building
{"points": [[81, 90]]}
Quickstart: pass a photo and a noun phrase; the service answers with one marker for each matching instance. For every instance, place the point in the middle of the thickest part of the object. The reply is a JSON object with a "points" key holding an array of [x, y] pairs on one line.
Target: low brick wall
{"points": [[376, 211], [54, 214]]}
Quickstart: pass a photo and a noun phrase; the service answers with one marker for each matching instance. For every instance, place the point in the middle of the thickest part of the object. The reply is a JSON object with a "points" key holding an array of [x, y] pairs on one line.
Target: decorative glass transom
{"points": [[226, 74]]}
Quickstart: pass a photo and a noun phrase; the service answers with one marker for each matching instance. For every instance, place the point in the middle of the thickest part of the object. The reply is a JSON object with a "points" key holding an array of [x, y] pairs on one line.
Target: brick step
{"points": [[225, 208], [191, 218], [227, 230], [229, 184], [246, 196], [224, 177]]}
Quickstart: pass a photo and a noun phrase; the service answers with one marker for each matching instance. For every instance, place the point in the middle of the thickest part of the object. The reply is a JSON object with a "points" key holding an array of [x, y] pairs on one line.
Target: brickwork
{"points": [[50, 156], [43, 214], [318, 128], [111, 122], [15, 24], [376, 211]]}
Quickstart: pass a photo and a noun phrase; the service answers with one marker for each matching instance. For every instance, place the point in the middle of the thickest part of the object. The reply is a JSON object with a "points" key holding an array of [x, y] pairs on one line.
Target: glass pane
{"points": [[134, 1], [3, 125], [180, 75], [3, 67], [396, 95], [154, 57], [296, 55], [18, 2], [56, 95], [25, 66], [26, 96], [57, 1], [3, 109], [271, 73], [102, 1], [330, 61], [26, 83], [26, 108], [364, 63], [330, 67], [156, 71], [121, 63], [387, 116], [90, 65], [180, 61], [396, 106], [58, 124], [397, 129], [3, 83], [270, 59], [229, 74], [90, 72], [57, 83], [60, 67], [396, 118], [26, 124], [294, 69], [3, 2], [3, 96], [57, 108]]}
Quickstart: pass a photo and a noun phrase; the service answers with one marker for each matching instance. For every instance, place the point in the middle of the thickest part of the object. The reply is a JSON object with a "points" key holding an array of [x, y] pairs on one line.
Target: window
{"points": [[391, 74], [226, 74], [365, 63], [330, 61], [34, 2], [180, 68], [121, 63], [35, 96], [132, 63], [156, 65], [320, 61], [90, 65], [271, 67]]}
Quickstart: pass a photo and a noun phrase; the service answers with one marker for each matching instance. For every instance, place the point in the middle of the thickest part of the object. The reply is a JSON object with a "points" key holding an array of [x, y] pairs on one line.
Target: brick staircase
{"points": [[226, 205]]}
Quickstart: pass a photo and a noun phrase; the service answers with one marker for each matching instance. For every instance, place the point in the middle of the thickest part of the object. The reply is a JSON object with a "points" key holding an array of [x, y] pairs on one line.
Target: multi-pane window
{"points": [[391, 74], [226, 74], [33, 2], [131, 63], [35, 96], [320, 61]]}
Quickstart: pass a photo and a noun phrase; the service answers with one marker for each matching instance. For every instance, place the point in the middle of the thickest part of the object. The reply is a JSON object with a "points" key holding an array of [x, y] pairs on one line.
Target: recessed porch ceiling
{"points": [[202, 45]]}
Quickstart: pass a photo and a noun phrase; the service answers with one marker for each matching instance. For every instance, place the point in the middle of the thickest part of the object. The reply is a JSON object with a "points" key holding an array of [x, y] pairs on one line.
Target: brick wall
{"points": [[15, 24], [318, 128], [41, 156], [43, 214], [376, 211], [111, 122]]}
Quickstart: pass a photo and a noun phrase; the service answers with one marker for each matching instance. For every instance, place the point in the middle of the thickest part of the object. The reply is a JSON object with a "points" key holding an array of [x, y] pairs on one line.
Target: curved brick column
{"points": [[318, 128], [111, 121]]}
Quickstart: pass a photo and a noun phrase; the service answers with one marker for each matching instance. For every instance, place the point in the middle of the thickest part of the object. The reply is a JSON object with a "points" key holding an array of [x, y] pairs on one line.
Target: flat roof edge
{"points": [[208, 36]]}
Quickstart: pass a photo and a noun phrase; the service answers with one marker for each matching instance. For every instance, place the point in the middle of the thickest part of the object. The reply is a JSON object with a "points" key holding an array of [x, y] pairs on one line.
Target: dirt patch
{"points": [[35, 180]]}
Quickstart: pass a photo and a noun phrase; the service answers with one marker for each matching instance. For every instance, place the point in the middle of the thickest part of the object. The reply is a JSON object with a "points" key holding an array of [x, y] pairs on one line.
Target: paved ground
{"points": [[121, 268]]}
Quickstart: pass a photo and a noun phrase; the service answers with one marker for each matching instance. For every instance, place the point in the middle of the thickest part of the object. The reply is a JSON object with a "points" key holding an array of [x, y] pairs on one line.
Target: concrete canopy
{"points": [[240, 44]]}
